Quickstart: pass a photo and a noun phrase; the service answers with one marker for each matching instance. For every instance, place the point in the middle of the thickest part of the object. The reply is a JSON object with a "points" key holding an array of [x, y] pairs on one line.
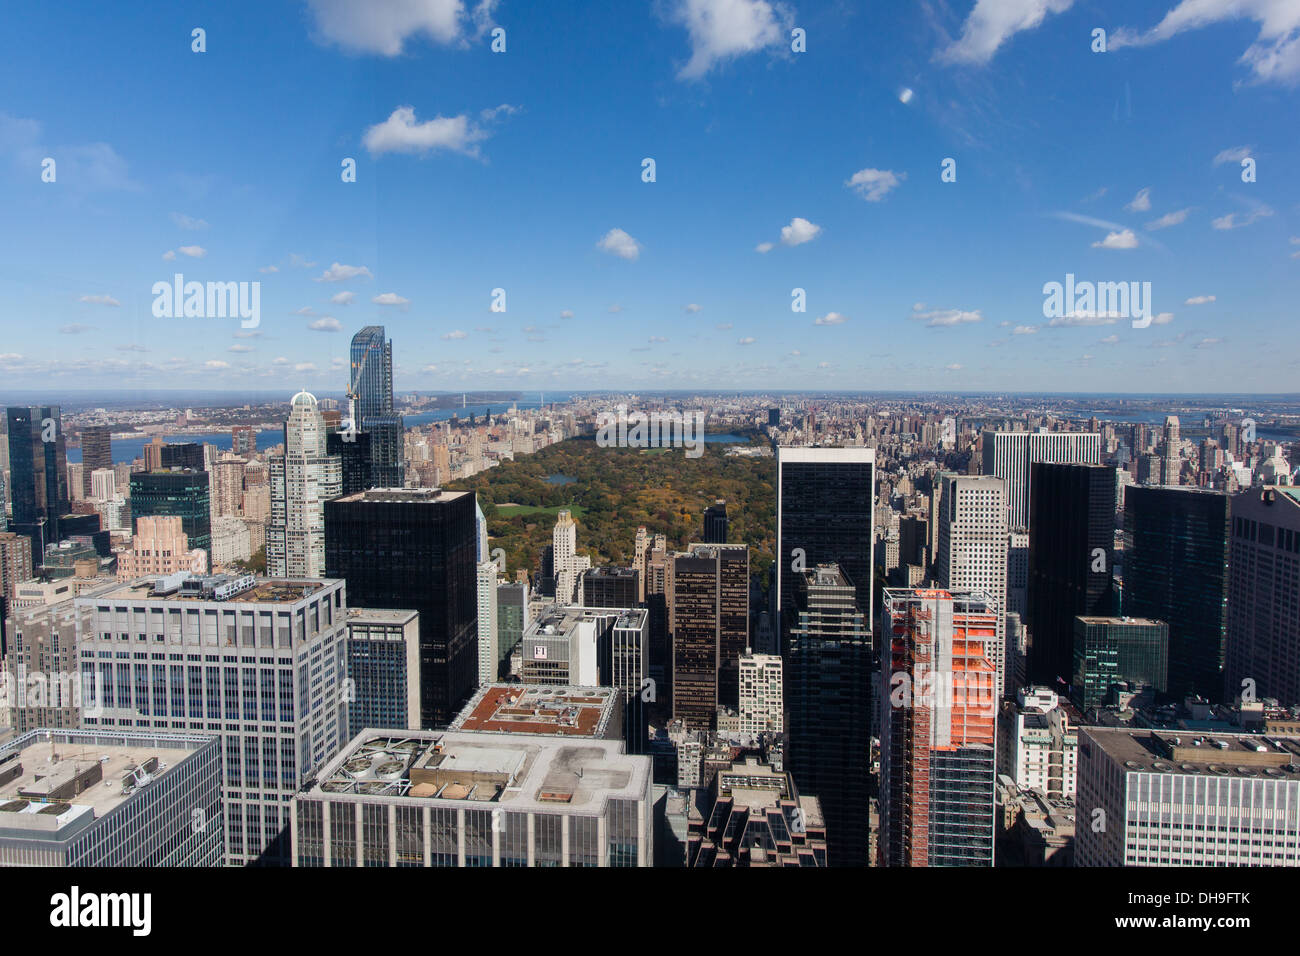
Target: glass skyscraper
{"points": [[1113, 650], [38, 470], [181, 493], [371, 392]]}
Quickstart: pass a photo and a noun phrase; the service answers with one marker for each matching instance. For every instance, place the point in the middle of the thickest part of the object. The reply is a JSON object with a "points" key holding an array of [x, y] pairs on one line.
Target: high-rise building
{"points": [[92, 798], [1181, 798], [370, 391], [972, 554], [1263, 633], [641, 553], [243, 440], [825, 515], [302, 480], [38, 466], [160, 547], [258, 661], [762, 694], [1132, 651], [512, 617], [414, 549], [477, 798], [47, 689], [15, 562], [1071, 557], [228, 486], [96, 453], [937, 733], [179, 493], [609, 587], [827, 659], [1011, 455], [1171, 453], [1176, 571], [1044, 745], [103, 485], [383, 669], [567, 563], [489, 655], [708, 619], [183, 455], [715, 523]]}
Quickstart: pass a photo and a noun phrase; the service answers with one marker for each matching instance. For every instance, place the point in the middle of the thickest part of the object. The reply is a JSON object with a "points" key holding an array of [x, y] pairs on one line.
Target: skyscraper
{"points": [[371, 393], [1010, 455], [827, 655], [1071, 557], [488, 655], [38, 466], [708, 613], [972, 553], [568, 564], [1176, 571], [1171, 453], [243, 440], [1115, 650], [182, 493], [414, 549], [1263, 634], [302, 480], [715, 523], [96, 453], [938, 729], [825, 515]]}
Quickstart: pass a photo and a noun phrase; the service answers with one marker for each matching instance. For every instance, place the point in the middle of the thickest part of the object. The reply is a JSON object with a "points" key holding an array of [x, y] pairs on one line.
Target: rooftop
{"points": [[536, 709], [414, 496], [263, 591], [380, 615], [1214, 753]]}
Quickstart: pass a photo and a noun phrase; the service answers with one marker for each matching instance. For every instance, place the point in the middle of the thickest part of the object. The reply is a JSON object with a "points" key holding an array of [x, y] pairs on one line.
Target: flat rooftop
{"points": [[1207, 752], [414, 496], [265, 591], [537, 709], [520, 772], [1101, 619], [380, 615], [42, 797]]}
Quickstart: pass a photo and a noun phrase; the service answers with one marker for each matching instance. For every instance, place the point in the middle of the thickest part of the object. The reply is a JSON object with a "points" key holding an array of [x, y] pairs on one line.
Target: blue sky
{"points": [[522, 171]]}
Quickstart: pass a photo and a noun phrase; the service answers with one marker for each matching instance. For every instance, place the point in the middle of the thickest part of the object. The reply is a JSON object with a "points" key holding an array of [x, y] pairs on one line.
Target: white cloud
{"points": [[1231, 221], [721, 30], [946, 318], [831, 318], [1074, 319], [76, 329], [325, 324], [874, 185], [566, 314], [1170, 219], [455, 334], [269, 269], [993, 22], [954, 367], [1141, 202], [618, 243], [390, 298], [304, 367], [1025, 330], [1233, 154], [725, 326], [1109, 340], [1164, 318], [400, 133], [188, 222], [692, 308], [194, 252], [1274, 56], [169, 255], [99, 300], [1199, 300], [216, 364], [339, 273], [384, 26], [1124, 239], [747, 340], [240, 348], [764, 247], [799, 231]]}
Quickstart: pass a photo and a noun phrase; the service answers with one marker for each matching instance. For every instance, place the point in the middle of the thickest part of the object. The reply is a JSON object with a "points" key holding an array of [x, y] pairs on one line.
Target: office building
{"points": [[825, 515], [762, 694], [180, 493], [973, 549], [708, 620], [609, 587], [182, 455], [370, 391], [715, 523], [1044, 744], [414, 550], [302, 480], [512, 617], [1071, 558], [243, 440], [756, 817], [1171, 453], [1011, 455], [472, 798], [1130, 651], [92, 798], [1181, 798], [1176, 571], [937, 735], [38, 475], [160, 547], [96, 453], [15, 562], [42, 684], [567, 564], [260, 662], [489, 654], [827, 659], [1263, 633], [352, 448], [382, 688]]}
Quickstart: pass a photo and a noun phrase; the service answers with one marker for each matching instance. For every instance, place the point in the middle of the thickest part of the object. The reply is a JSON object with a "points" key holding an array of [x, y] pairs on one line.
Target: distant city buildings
{"points": [[1011, 455]]}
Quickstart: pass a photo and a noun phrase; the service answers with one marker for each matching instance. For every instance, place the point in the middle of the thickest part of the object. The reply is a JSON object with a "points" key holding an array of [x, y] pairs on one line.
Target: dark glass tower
{"points": [[609, 587], [708, 613], [1176, 544], [355, 457], [827, 669], [371, 392], [715, 523], [414, 549], [182, 455], [96, 453], [1114, 650], [38, 470], [181, 492], [1071, 556]]}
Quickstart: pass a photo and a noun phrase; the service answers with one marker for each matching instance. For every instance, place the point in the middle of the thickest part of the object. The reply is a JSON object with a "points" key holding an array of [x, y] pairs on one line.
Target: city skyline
{"points": [[512, 173]]}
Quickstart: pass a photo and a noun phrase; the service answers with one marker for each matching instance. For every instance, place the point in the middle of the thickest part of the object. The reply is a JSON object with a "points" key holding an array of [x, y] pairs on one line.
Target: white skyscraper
{"points": [[761, 698], [568, 565], [301, 480], [972, 552], [1008, 456], [488, 654]]}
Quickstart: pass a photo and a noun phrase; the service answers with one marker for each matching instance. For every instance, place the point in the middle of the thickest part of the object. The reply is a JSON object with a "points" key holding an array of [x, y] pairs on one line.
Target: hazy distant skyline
{"points": [[775, 170]]}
